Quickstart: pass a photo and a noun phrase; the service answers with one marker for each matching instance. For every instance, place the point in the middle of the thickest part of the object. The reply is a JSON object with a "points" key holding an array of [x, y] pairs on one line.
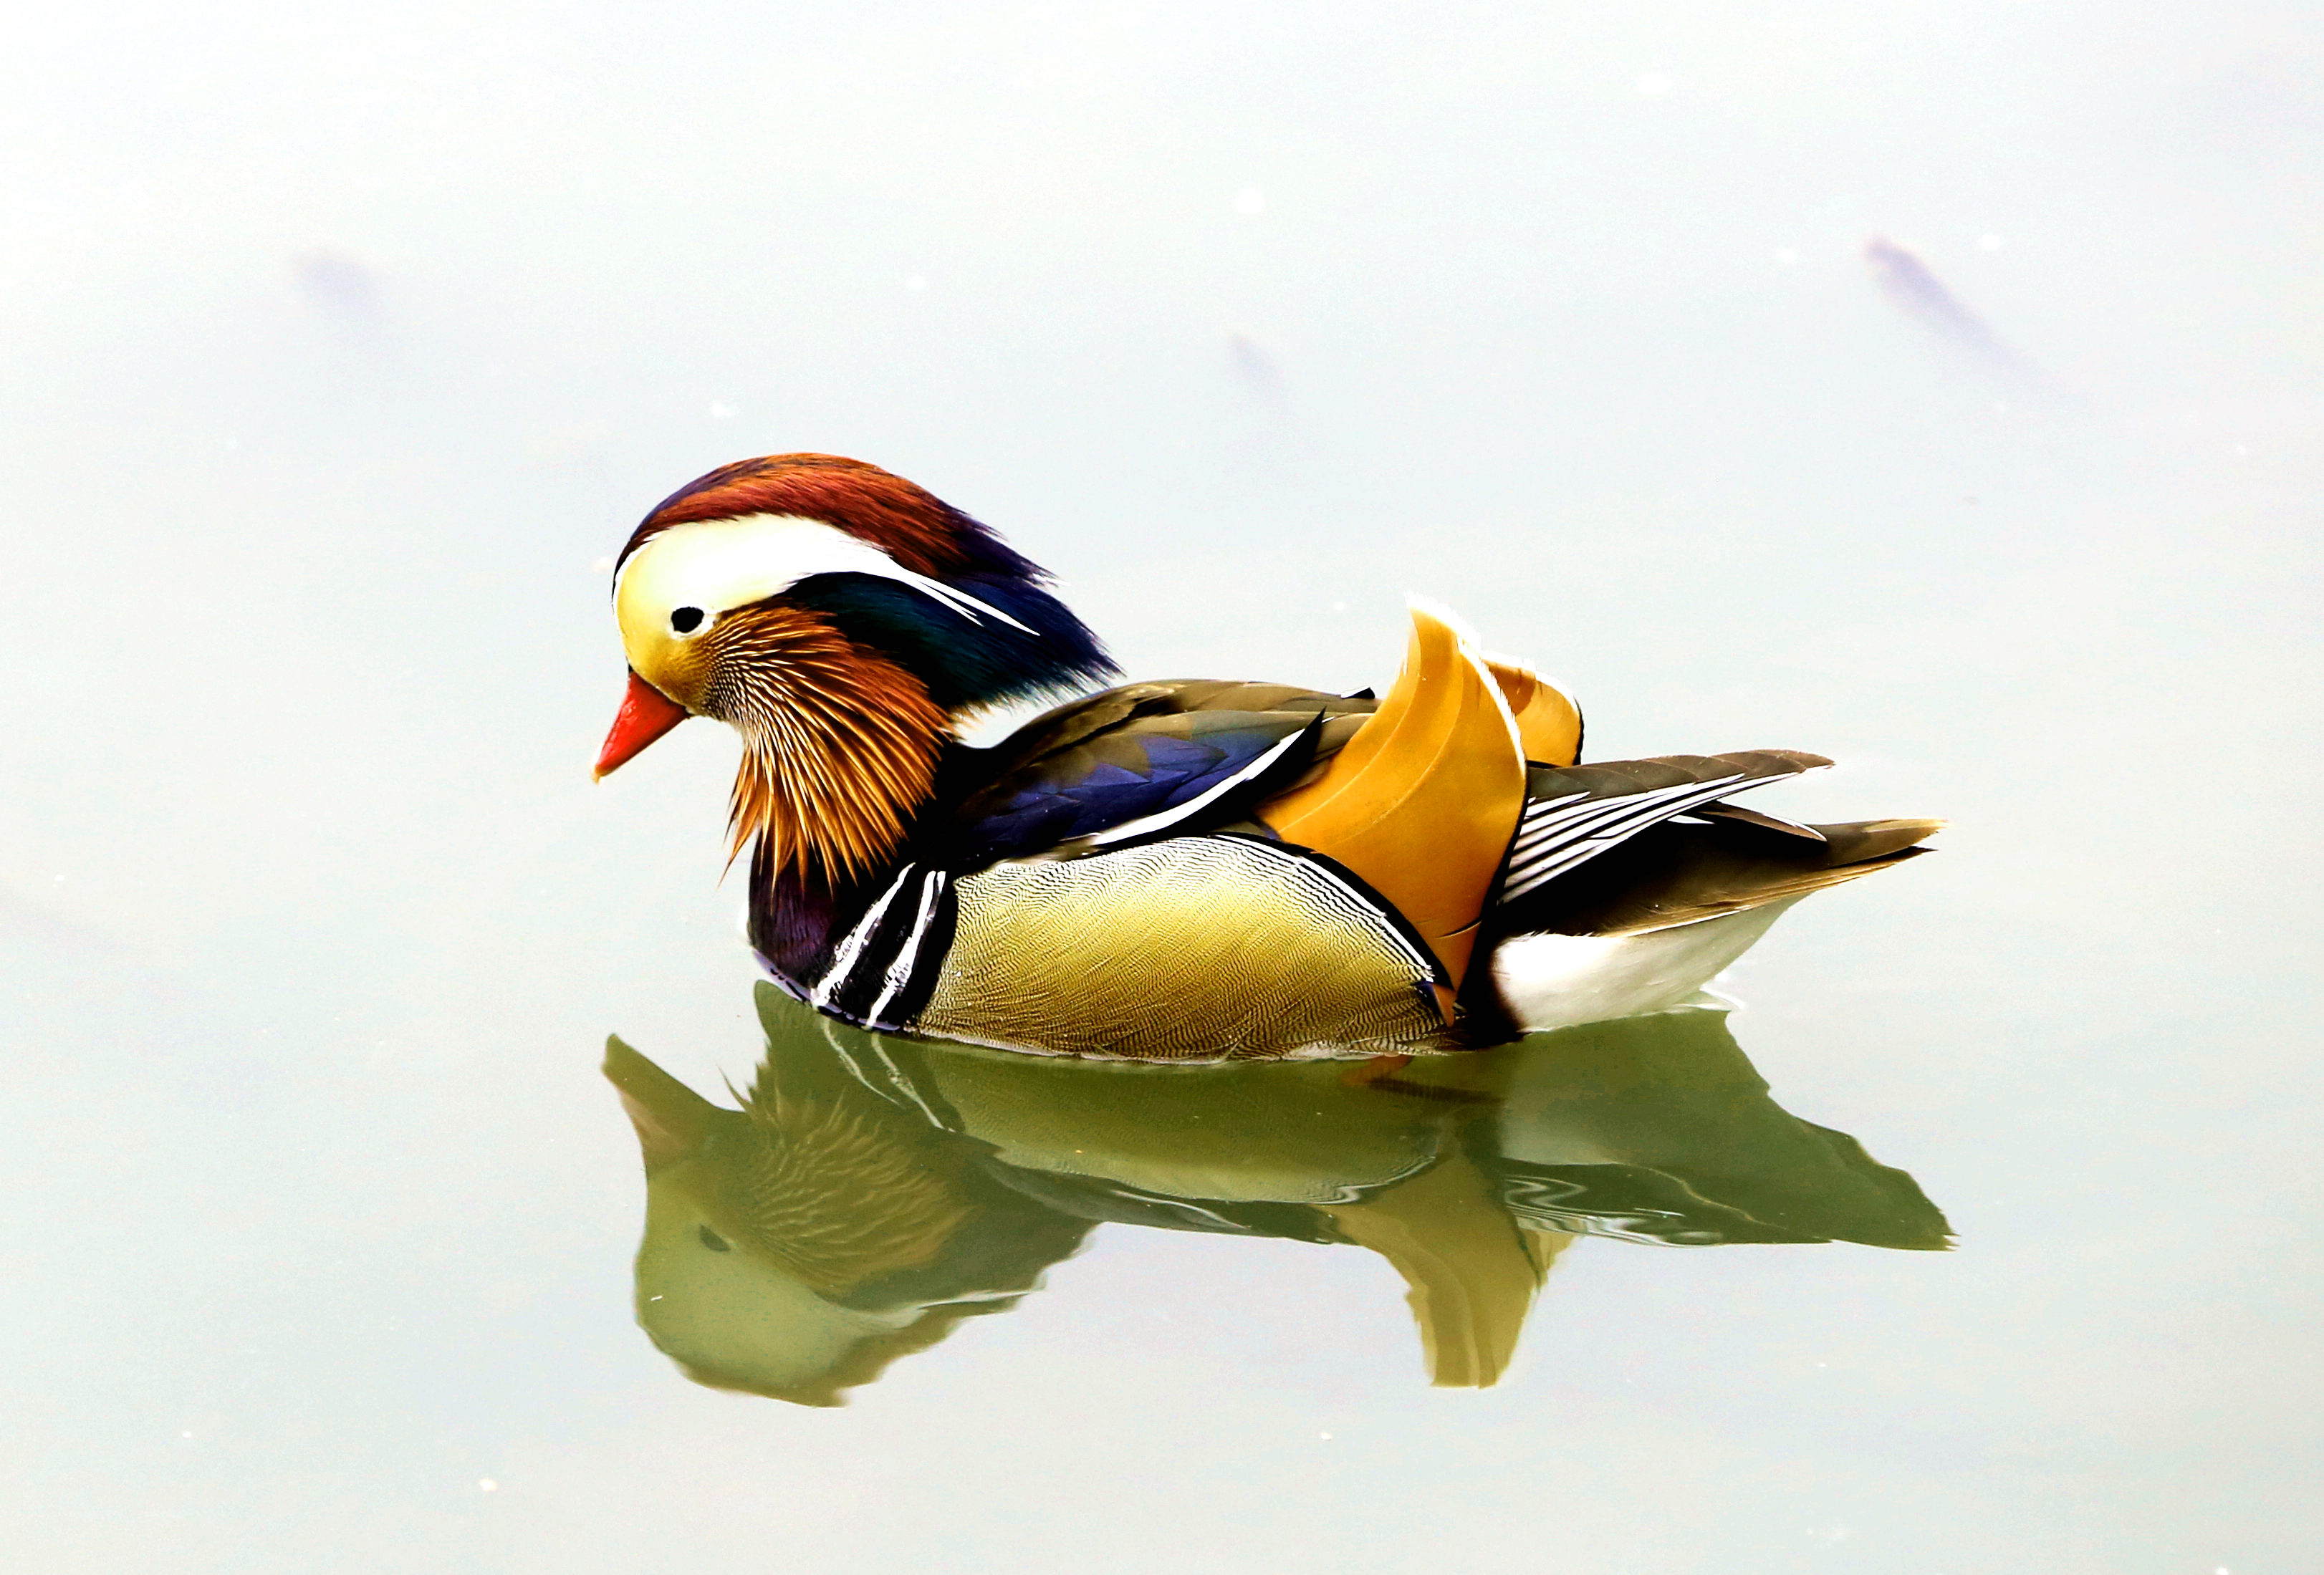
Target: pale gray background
{"points": [[343, 344]]}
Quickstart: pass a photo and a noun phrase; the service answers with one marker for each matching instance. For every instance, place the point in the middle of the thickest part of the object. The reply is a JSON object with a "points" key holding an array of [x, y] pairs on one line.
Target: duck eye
{"points": [[686, 620]]}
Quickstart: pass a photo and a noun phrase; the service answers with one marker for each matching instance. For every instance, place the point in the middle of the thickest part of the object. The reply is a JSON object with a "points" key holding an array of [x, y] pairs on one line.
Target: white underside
{"points": [[1557, 981]]}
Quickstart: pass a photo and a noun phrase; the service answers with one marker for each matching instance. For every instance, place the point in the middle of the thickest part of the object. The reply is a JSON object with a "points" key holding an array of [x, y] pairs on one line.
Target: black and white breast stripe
{"points": [[883, 970], [844, 956]]}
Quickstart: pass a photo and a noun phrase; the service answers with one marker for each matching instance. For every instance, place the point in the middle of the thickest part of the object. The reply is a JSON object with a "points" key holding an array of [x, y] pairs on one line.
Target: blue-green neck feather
{"points": [[965, 661]]}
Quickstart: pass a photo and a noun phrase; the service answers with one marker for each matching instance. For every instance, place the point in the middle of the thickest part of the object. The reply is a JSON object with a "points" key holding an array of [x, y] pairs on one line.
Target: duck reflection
{"points": [[873, 1191]]}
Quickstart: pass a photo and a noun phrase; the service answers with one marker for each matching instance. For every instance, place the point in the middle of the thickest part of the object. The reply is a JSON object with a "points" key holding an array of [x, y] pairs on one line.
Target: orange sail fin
{"points": [[1422, 801], [1549, 723]]}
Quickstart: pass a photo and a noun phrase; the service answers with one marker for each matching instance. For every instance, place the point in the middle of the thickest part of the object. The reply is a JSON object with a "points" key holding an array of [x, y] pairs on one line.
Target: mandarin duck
{"points": [[871, 1191], [1174, 871]]}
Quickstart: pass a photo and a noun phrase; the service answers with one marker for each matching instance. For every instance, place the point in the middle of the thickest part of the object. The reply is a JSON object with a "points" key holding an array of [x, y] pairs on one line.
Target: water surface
{"points": [[341, 351]]}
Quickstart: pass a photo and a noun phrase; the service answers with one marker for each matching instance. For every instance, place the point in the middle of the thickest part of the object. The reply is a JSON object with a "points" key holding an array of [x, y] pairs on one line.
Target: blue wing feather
{"points": [[1121, 777], [1200, 752]]}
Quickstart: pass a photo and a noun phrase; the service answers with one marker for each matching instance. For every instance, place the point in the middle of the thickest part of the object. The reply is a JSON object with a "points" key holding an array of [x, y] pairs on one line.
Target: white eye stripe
{"points": [[719, 564]]}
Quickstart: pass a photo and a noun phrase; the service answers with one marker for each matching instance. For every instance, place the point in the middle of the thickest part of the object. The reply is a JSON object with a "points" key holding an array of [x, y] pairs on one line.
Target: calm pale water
{"points": [[341, 350]]}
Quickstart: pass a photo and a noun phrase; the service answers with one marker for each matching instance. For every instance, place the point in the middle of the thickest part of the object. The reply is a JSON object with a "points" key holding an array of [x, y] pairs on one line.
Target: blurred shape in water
{"points": [[1258, 443], [341, 287], [1255, 370], [872, 1191], [1912, 287]]}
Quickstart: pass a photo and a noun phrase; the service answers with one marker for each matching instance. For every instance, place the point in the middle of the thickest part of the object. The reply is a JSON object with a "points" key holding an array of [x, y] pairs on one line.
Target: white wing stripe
{"points": [[1579, 817], [1602, 837], [1634, 816], [1582, 818], [1163, 818], [1624, 819], [1613, 814], [1538, 821]]}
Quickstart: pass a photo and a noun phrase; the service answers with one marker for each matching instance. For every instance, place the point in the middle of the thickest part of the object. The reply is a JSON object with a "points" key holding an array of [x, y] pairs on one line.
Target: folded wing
{"points": [[1143, 761], [1575, 813]]}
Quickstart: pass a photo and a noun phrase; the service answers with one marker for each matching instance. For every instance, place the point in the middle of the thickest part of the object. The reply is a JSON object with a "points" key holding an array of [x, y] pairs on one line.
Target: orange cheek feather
{"points": [[646, 713]]}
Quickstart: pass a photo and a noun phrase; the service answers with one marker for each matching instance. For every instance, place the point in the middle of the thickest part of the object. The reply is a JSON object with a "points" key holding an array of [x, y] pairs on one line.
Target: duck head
{"points": [[845, 622]]}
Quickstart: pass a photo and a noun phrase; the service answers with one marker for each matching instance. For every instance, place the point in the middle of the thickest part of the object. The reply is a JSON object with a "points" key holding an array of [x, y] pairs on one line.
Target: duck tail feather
{"points": [[1859, 842]]}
